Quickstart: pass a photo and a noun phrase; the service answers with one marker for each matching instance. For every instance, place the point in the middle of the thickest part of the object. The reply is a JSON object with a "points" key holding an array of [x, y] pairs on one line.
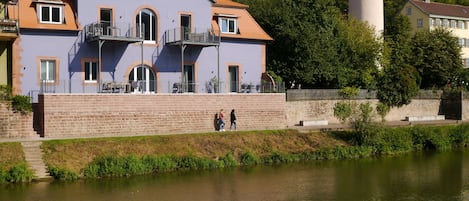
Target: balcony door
{"points": [[142, 80], [186, 25], [105, 18], [188, 79], [234, 78]]}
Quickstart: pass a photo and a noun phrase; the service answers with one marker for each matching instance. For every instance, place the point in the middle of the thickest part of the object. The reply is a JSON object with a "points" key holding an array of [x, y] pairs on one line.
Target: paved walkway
{"points": [[336, 126]]}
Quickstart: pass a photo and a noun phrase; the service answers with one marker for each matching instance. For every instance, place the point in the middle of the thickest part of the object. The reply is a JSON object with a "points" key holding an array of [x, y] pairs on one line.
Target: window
{"points": [[91, 71], [52, 14], [466, 63], [228, 25], [432, 22], [446, 23], [461, 41], [467, 42], [146, 25], [48, 68], [420, 23], [438, 22], [461, 24], [453, 23], [409, 10]]}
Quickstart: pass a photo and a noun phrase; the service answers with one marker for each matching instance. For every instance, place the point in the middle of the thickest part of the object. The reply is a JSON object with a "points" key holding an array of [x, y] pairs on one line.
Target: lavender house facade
{"points": [[141, 46]]}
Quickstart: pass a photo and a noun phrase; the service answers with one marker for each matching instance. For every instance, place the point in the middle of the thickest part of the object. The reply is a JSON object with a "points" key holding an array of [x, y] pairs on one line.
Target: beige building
{"points": [[424, 14]]}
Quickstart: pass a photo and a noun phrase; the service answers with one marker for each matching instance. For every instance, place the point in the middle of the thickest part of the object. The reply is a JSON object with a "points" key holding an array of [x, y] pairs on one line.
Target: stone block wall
{"points": [[84, 115], [14, 124]]}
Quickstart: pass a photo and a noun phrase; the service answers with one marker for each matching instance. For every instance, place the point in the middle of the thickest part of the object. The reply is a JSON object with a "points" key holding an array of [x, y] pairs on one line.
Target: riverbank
{"points": [[124, 156]]}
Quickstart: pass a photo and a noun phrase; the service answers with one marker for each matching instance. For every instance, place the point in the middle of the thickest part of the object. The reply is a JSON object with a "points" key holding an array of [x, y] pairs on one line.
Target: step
{"points": [[33, 156]]}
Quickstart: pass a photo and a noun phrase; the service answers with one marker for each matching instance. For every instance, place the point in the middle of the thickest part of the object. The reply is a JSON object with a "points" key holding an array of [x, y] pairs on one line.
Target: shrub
{"points": [[5, 92], [349, 92], [62, 174], [382, 110], [22, 104], [20, 173], [342, 111], [249, 158], [228, 160], [460, 135]]}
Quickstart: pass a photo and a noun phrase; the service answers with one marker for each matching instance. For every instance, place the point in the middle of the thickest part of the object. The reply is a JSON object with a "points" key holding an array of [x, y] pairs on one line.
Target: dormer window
{"points": [[228, 23], [50, 12]]}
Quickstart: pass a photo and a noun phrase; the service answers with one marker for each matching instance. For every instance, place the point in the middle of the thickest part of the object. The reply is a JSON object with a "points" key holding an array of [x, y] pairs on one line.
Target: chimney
{"points": [[426, 1]]}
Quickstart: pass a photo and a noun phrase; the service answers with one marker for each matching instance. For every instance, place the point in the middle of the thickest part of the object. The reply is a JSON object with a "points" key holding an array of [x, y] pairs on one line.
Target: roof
{"points": [[247, 25], [229, 3], [29, 17], [433, 8]]}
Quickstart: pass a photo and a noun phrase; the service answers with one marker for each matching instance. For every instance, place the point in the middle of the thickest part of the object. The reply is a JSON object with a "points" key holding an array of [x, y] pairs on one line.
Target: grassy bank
{"points": [[13, 167], [125, 156], [70, 158]]}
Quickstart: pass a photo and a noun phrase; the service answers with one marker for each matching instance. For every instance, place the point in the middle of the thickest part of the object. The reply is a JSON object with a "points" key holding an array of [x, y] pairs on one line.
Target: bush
{"points": [[22, 104], [228, 160], [5, 92], [249, 158], [342, 111], [382, 110], [62, 174], [460, 135], [20, 173]]}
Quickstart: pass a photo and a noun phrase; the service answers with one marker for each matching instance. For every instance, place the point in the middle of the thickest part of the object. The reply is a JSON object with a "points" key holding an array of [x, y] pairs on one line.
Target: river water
{"points": [[421, 176]]}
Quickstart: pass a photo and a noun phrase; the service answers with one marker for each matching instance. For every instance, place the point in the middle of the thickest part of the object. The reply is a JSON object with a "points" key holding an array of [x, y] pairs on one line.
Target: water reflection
{"points": [[423, 176]]}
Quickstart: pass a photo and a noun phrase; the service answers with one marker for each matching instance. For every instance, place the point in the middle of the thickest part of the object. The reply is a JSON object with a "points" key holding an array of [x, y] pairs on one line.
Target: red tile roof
{"points": [[442, 9]]}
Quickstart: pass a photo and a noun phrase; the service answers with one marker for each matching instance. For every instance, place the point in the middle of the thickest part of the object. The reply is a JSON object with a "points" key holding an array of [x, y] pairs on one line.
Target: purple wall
{"points": [[118, 59]]}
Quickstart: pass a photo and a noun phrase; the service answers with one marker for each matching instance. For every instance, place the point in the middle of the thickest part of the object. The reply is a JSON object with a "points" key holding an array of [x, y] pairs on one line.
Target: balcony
{"points": [[184, 36], [115, 32], [8, 29]]}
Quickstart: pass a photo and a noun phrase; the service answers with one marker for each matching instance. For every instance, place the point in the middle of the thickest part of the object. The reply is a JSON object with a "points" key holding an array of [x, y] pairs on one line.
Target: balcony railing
{"points": [[187, 36], [117, 31]]}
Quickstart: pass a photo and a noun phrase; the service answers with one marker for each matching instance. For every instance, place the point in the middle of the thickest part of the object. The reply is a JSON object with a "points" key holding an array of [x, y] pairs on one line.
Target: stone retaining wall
{"points": [[82, 115], [14, 124]]}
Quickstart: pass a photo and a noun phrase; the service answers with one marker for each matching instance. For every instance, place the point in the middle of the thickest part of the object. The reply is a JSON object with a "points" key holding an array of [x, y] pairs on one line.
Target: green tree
{"points": [[314, 45], [437, 57], [399, 80]]}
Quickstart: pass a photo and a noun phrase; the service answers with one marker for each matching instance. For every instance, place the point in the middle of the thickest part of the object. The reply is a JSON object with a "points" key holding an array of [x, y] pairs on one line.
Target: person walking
{"points": [[233, 120], [221, 118]]}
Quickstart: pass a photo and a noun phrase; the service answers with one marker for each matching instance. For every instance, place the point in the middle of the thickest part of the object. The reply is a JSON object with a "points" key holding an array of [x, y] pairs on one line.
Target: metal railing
{"points": [[115, 30], [185, 35]]}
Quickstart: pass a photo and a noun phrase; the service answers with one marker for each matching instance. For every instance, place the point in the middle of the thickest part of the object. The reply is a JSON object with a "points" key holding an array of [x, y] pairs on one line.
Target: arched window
{"points": [[142, 79], [146, 24]]}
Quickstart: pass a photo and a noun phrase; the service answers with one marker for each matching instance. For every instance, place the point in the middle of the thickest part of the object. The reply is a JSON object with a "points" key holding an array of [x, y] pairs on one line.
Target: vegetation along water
{"points": [[118, 157]]}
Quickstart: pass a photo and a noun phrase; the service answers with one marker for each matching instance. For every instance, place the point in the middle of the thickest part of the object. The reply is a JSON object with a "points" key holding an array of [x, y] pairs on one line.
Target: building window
{"points": [[461, 42], [91, 71], [466, 62], [446, 23], [146, 25], [467, 43], [419, 23], [52, 14], [461, 24], [453, 23], [228, 25], [409, 10], [48, 70], [438, 22]]}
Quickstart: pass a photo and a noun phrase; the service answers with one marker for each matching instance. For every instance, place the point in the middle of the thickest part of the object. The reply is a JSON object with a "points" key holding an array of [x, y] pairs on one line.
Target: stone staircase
{"points": [[33, 154]]}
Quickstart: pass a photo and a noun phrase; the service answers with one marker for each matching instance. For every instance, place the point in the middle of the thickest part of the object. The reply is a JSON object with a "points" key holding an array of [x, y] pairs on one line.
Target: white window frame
{"points": [[48, 70], [462, 42], [224, 23], [438, 22], [466, 63], [453, 24], [153, 30], [88, 71], [461, 25], [51, 8]]}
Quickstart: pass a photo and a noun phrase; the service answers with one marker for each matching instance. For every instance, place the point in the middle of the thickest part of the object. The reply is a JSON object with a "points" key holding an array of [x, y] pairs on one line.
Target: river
{"points": [[421, 176]]}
